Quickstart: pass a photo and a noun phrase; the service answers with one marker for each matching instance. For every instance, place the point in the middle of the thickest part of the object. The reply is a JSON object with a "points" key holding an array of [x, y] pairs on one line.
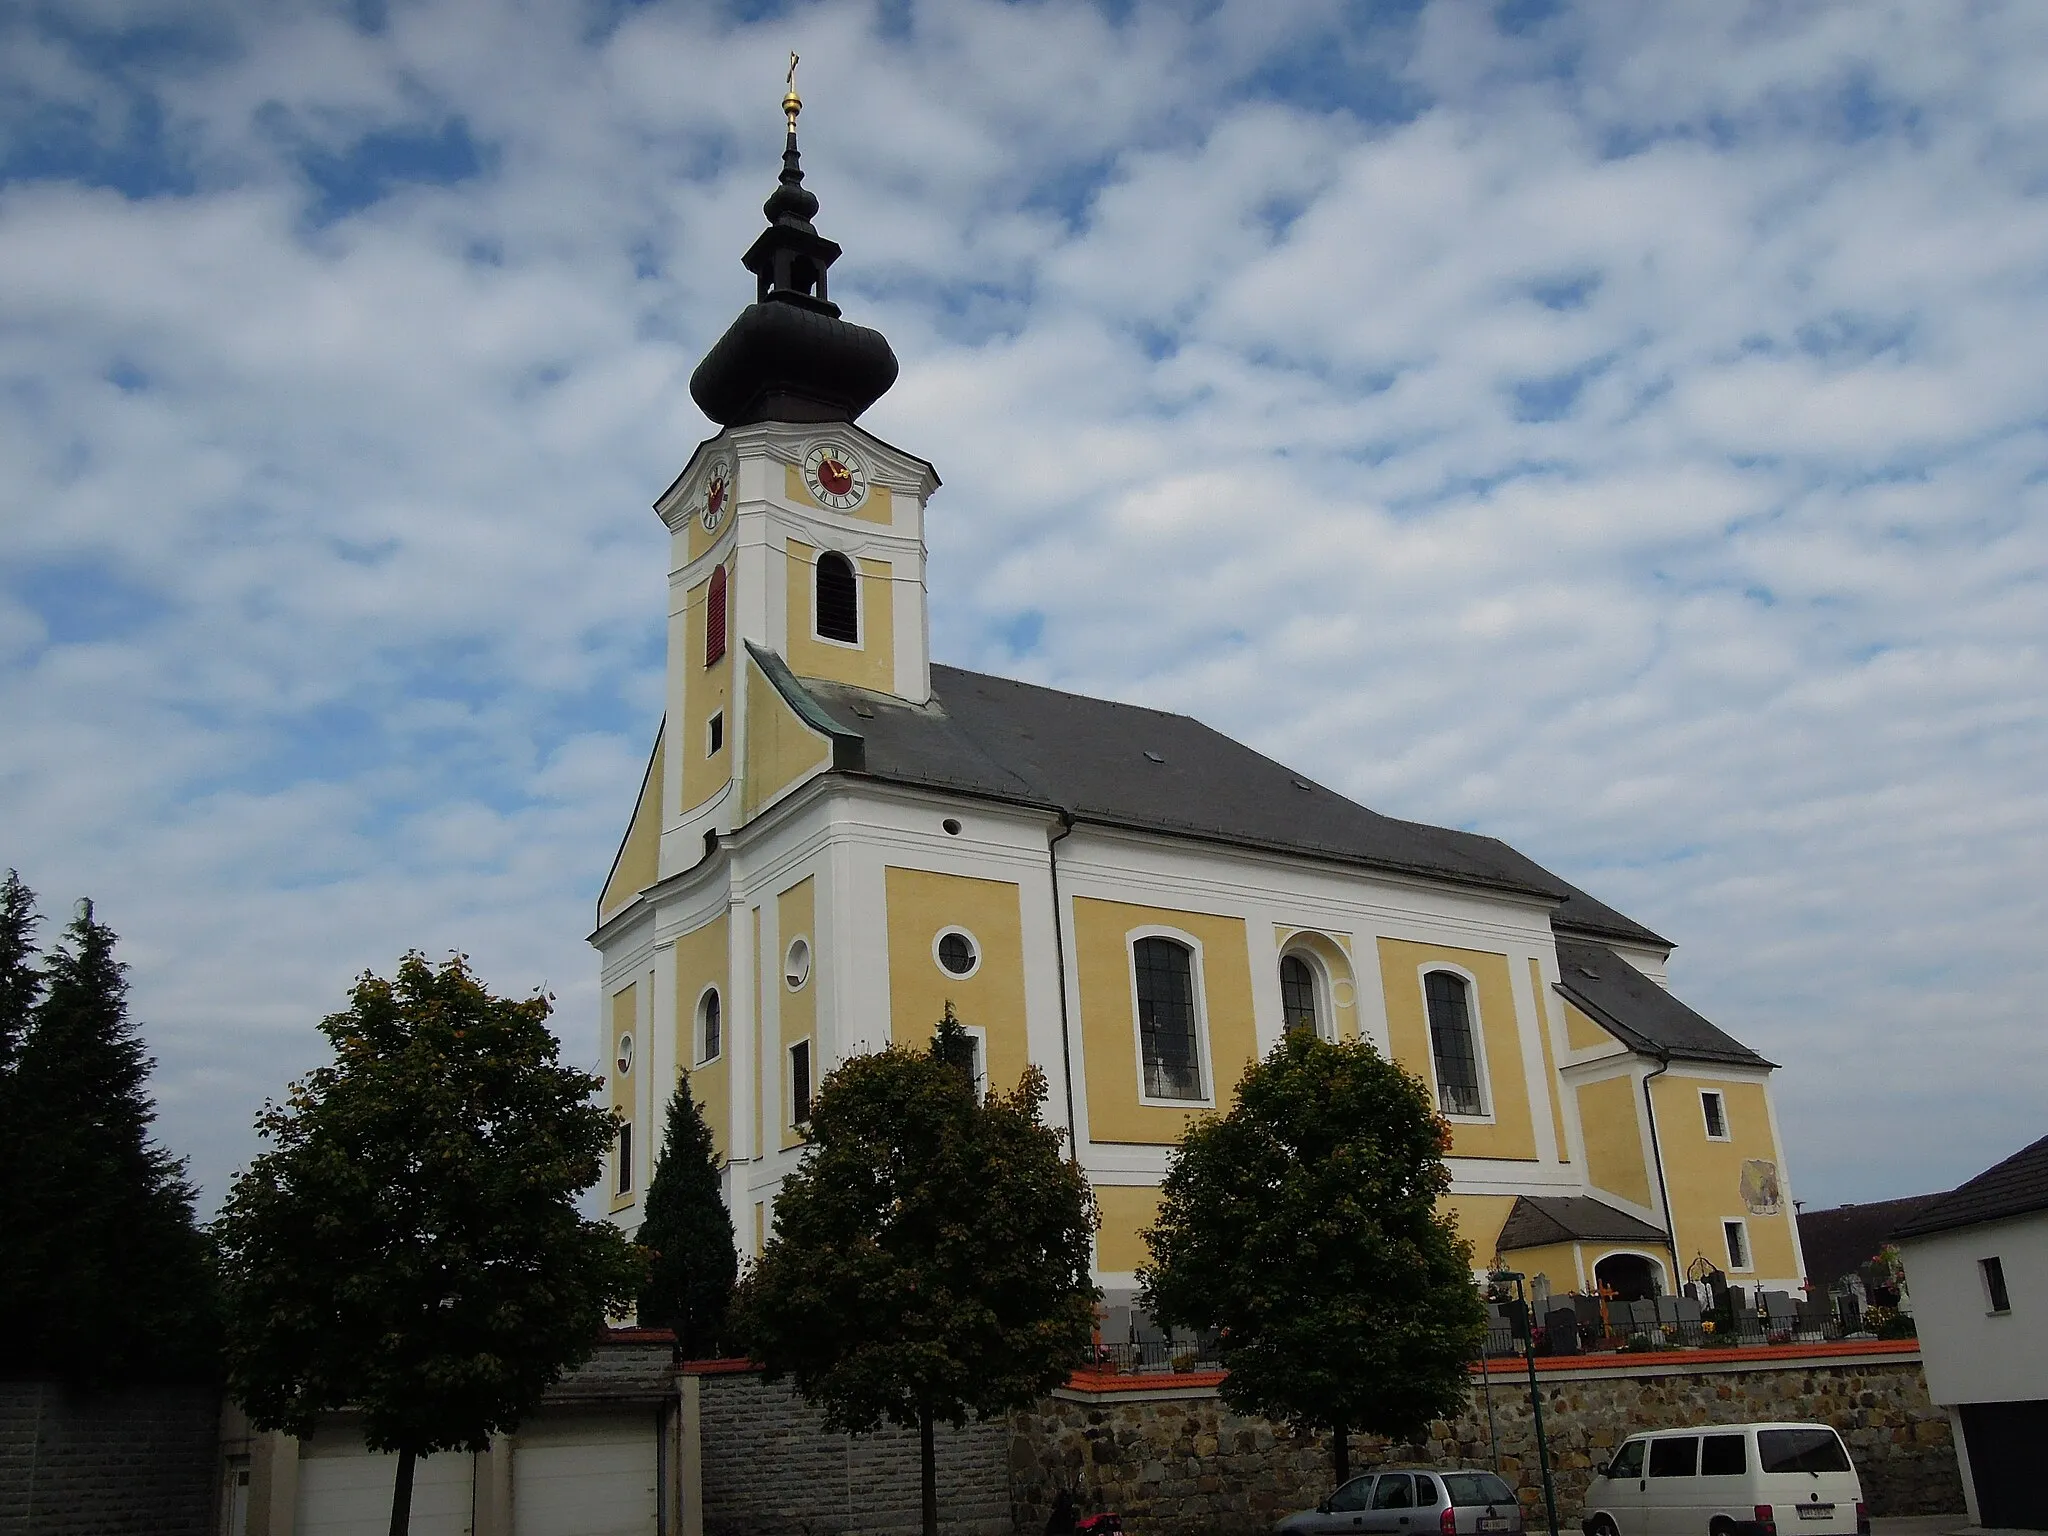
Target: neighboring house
{"points": [[1841, 1244], [600, 1455], [1977, 1267], [836, 837]]}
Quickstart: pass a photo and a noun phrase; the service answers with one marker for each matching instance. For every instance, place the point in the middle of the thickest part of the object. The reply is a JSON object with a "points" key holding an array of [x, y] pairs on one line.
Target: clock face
{"points": [[717, 495], [835, 476]]}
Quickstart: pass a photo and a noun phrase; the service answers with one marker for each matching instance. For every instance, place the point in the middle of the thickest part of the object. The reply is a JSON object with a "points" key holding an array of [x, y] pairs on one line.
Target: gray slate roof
{"points": [[1119, 765], [2016, 1187], [1638, 1012], [1538, 1220], [1841, 1241]]}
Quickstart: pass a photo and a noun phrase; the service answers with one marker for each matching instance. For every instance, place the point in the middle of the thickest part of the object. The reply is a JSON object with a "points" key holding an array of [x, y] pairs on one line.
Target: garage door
{"points": [[345, 1490], [590, 1475], [2005, 1441]]}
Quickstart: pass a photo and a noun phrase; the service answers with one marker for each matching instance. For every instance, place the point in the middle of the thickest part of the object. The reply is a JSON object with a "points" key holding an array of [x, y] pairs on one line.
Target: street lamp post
{"points": [[1535, 1393]]}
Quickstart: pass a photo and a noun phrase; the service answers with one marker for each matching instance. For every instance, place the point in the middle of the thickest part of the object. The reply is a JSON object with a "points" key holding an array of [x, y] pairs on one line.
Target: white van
{"points": [[1729, 1480]]}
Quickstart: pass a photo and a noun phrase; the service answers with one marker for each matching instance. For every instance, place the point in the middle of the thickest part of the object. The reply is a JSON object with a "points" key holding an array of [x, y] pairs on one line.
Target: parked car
{"points": [[1448, 1501], [1729, 1480]]}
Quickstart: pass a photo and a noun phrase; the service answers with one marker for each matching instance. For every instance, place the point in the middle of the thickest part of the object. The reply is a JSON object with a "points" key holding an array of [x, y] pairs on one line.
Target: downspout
{"points": [[1059, 948], [1663, 1190]]}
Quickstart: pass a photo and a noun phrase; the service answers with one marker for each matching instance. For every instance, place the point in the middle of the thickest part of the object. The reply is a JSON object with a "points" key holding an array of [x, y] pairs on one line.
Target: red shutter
{"points": [[714, 618]]}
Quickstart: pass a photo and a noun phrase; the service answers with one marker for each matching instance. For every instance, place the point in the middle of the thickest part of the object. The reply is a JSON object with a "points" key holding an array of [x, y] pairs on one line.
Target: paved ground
{"points": [[1931, 1525]]}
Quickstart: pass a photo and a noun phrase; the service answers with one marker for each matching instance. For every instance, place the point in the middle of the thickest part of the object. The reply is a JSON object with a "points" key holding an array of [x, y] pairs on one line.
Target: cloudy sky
{"points": [[1617, 428]]}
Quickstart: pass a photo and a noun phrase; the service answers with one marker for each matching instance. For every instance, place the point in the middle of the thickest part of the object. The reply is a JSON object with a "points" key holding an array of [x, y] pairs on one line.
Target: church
{"points": [[837, 836]]}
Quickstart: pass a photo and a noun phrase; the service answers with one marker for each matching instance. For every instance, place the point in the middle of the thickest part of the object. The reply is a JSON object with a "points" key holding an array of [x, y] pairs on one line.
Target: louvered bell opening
{"points": [[838, 600], [714, 619]]}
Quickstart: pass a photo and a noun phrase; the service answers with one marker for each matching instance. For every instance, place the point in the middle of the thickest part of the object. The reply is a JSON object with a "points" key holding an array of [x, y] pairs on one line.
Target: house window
{"points": [[838, 599], [714, 735], [1298, 1007], [800, 1082], [1736, 1234], [625, 1170], [1166, 1019], [1451, 1044], [1994, 1284], [709, 1025], [714, 619], [1715, 1109]]}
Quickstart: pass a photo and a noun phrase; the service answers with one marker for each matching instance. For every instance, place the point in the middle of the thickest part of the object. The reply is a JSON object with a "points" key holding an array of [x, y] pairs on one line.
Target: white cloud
{"points": [[1629, 446]]}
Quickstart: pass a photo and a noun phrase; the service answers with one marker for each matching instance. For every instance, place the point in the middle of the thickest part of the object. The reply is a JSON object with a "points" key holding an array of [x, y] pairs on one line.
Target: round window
{"points": [[958, 954], [796, 965], [625, 1057]]}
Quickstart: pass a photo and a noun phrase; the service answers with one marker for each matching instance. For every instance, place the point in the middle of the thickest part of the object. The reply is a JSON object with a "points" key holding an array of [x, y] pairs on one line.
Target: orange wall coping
{"points": [[1515, 1365]]}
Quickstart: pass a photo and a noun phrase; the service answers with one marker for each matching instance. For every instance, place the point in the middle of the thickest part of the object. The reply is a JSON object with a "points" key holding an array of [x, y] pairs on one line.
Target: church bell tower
{"points": [[796, 536]]}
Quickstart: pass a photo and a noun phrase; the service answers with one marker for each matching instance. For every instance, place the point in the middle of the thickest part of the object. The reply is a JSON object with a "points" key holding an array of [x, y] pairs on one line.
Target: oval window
{"points": [[957, 953], [625, 1056], [796, 965]]}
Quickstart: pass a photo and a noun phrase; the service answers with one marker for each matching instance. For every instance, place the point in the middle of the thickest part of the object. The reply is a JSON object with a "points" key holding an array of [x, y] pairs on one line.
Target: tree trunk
{"points": [[401, 1494], [931, 1472], [1340, 1452]]}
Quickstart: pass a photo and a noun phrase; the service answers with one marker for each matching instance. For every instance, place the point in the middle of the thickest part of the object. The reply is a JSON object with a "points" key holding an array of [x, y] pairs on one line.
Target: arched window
{"points": [[1451, 1044], [838, 599], [714, 618], [708, 1027], [1298, 1005], [1166, 1019]]}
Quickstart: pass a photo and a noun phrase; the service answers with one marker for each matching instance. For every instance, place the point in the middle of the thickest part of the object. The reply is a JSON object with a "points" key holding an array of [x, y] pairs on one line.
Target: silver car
{"points": [[1461, 1501]]}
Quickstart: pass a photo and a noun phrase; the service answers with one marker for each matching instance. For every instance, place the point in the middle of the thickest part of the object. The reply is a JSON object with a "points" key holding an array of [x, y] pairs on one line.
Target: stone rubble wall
{"points": [[101, 1463], [1180, 1462], [772, 1469]]}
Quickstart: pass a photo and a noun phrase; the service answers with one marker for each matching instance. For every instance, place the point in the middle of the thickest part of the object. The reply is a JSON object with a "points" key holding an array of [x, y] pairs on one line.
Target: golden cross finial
{"points": [[791, 102]]}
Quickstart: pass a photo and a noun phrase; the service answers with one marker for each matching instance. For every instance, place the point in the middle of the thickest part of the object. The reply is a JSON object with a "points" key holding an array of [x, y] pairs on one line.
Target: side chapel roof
{"points": [[1638, 1012], [1536, 1221]]}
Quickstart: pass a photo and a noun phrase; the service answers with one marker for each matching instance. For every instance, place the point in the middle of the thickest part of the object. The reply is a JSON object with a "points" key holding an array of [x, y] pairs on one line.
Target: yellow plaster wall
{"points": [[1333, 949], [1109, 1022], [796, 912], [703, 960], [706, 692], [921, 902], [639, 862], [625, 1086], [872, 663], [781, 749], [1479, 1219], [879, 507], [1512, 1133], [1550, 1079], [1580, 1032], [1705, 1177], [1126, 1211], [1615, 1160]]}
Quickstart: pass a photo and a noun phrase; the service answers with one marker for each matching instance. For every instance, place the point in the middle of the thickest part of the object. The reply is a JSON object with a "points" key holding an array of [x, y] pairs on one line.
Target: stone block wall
{"points": [[770, 1468], [105, 1463], [1173, 1462]]}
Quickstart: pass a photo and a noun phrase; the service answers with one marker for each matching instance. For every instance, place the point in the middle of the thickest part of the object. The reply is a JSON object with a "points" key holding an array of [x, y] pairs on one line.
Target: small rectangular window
{"points": [[714, 735], [1677, 1457], [1724, 1456], [800, 1082], [626, 1158], [1737, 1235], [1716, 1111], [1994, 1284]]}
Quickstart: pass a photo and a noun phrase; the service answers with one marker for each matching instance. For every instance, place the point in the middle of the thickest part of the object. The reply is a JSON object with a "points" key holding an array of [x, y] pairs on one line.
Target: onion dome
{"points": [[789, 357]]}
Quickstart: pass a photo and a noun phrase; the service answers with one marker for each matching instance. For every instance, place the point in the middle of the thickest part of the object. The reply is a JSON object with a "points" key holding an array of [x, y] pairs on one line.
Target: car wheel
{"points": [[1602, 1526], [1721, 1527]]}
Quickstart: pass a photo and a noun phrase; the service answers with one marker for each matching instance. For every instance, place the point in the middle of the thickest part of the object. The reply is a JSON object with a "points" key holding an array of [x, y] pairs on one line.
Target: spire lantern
{"points": [[789, 356]]}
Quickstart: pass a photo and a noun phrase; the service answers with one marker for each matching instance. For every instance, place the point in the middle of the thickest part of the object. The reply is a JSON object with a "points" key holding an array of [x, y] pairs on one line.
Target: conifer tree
{"points": [[21, 984], [689, 1234], [109, 1272]]}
